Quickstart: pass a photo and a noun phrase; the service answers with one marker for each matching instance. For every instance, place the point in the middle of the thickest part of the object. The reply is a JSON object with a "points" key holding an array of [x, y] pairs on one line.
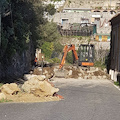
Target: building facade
{"points": [[78, 15], [115, 48]]}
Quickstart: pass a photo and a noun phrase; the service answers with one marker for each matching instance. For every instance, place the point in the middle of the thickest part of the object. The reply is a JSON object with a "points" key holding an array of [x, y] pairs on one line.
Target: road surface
{"points": [[83, 100]]}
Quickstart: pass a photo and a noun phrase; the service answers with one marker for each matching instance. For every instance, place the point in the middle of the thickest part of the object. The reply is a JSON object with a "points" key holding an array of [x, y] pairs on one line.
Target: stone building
{"points": [[85, 15], [115, 48]]}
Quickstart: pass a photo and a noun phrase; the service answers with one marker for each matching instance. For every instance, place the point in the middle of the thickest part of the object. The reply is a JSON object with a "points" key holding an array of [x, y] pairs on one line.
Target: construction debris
{"points": [[79, 72], [37, 86], [47, 71]]}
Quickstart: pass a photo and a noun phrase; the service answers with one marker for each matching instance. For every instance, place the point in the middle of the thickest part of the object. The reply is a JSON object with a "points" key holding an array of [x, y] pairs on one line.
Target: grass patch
{"points": [[117, 83], [5, 100]]}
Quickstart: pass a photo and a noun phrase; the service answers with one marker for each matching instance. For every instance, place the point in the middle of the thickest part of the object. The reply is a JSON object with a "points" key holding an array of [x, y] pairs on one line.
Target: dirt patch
{"points": [[25, 97], [37, 72], [49, 69], [99, 73], [75, 73]]}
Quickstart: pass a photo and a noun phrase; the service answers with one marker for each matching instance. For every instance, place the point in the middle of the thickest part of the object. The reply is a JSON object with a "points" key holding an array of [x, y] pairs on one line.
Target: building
{"points": [[115, 48], [85, 15]]}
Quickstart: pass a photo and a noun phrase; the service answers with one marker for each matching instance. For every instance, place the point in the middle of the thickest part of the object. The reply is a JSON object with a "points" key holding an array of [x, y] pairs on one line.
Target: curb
{"points": [[112, 82]]}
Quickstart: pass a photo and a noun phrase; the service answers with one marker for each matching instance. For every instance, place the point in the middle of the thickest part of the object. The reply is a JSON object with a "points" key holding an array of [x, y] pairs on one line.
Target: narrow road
{"points": [[83, 100]]}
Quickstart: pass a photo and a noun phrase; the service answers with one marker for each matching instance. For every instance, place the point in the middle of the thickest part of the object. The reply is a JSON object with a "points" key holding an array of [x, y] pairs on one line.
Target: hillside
{"points": [[104, 4]]}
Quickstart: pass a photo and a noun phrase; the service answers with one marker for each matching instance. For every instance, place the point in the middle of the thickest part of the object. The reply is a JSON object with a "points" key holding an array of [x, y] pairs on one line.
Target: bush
{"points": [[69, 57], [47, 48], [56, 60], [58, 47]]}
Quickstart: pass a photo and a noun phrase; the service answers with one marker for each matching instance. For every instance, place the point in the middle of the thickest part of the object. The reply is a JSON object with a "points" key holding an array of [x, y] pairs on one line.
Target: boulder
{"points": [[70, 72], [10, 89], [39, 88], [46, 89], [31, 84], [39, 77], [2, 96]]}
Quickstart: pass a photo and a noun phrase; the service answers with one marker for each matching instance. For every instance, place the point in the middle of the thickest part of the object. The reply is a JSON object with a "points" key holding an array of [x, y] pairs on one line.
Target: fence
{"points": [[77, 31]]}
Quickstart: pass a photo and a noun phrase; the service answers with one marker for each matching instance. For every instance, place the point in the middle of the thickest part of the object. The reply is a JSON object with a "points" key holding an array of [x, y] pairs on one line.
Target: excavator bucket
{"points": [[60, 73]]}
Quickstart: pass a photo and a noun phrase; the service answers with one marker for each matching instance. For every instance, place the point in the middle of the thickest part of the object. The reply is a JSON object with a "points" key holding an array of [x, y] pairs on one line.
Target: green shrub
{"points": [[99, 64], [117, 83], [69, 57], [5, 100], [58, 47], [56, 60], [47, 48]]}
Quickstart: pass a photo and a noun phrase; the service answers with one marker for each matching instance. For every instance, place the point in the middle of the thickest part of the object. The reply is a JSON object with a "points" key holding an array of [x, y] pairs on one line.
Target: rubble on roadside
{"points": [[78, 72], [36, 88], [47, 71]]}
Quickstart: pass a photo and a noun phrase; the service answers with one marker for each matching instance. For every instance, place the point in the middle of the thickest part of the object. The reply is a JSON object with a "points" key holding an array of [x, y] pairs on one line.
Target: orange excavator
{"points": [[66, 49], [85, 53]]}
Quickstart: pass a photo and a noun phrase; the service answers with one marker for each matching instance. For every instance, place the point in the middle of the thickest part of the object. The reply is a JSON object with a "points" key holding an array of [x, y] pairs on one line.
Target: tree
{"points": [[20, 20], [48, 33], [50, 8]]}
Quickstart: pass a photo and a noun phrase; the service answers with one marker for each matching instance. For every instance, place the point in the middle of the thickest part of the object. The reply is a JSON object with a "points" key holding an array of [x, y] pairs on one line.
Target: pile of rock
{"points": [[47, 71], [79, 72], [36, 85]]}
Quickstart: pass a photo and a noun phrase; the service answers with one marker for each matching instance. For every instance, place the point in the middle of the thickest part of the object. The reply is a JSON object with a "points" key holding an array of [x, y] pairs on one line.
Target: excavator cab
{"points": [[86, 55]]}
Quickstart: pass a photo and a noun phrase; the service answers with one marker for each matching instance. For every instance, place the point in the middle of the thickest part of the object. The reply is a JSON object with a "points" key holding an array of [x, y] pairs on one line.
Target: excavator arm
{"points": [[65, 51]]}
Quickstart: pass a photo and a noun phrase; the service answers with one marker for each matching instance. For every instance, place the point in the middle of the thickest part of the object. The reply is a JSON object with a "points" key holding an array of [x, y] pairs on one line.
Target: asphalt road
{"points": [[83, 100]]}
